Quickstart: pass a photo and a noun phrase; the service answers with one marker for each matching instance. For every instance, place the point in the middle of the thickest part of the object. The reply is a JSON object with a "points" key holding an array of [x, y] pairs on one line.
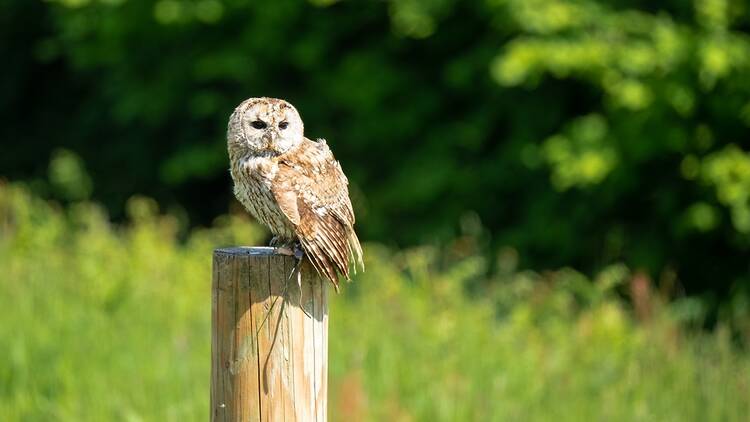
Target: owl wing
{"points": [[312, 192]]}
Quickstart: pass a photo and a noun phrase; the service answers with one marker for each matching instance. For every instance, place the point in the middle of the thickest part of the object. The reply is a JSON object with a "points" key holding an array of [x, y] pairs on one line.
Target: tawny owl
{"points": [[293, 185]]}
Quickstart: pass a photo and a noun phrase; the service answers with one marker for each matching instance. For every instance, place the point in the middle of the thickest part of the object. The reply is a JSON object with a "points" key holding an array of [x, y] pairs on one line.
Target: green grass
{"points": [[100, 323]]}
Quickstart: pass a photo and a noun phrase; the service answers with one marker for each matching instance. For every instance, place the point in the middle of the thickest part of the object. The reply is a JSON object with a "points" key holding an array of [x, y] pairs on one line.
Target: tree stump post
{"points": [[269, 340]]}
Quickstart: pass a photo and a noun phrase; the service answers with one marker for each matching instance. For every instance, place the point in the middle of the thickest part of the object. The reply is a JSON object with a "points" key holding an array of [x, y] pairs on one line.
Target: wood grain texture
{"points": [[269, 338]]}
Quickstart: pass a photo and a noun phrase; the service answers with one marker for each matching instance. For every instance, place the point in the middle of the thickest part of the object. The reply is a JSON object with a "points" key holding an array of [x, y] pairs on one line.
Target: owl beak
{"points": [[269, 137]]}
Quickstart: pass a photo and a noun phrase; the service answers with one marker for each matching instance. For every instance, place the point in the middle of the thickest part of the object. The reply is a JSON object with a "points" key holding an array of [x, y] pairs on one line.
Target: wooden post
{"points": [[269, 350]]}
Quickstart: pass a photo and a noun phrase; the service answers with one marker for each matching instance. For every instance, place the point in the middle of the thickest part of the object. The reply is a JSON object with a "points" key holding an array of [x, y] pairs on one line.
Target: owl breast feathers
{"points": [[293, 185]]}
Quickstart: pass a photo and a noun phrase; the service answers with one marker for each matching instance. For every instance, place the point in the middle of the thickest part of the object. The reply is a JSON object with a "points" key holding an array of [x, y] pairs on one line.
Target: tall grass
{"points": [[99, 322]]}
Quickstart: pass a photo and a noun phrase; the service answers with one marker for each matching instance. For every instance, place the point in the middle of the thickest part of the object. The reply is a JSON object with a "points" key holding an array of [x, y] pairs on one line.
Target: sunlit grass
{"points": [[113, 323]]}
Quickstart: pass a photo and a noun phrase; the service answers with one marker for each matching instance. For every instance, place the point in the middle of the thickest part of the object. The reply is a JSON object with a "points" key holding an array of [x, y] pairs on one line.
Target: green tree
{"points": [[578, 132]]}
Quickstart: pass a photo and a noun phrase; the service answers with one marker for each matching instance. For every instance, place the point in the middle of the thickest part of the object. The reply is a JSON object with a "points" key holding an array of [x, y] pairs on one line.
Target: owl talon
{"points": [[283, 250], [290, 249], [298, 252]]}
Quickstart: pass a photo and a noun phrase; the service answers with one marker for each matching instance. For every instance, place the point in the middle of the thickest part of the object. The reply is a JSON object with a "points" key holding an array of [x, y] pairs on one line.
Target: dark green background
{"points": [[576, 133]]}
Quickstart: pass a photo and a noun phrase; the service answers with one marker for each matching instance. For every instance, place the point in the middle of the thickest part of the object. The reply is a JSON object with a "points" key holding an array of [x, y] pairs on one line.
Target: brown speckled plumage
{"points": [[293, 185]]}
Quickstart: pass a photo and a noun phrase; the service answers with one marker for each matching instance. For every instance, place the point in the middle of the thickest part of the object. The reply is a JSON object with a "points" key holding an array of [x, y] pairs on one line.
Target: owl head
{"points": [[264, 127]]}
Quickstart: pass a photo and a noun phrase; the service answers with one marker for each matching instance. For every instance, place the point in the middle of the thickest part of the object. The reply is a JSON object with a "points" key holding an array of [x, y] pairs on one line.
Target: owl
{"points": [[293, 185]]}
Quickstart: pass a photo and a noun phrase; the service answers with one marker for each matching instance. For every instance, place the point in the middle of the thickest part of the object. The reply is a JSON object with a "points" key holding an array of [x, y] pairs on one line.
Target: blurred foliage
{"points": [[102, 322], [68, 176], [576, 132]]}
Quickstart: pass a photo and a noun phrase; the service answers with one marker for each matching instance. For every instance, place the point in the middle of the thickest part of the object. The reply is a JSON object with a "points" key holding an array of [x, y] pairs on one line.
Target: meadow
{"points": [[106, 322]]}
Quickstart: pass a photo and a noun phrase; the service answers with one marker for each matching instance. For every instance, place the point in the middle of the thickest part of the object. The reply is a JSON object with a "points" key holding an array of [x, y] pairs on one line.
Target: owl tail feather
{"points": [[332, 257], [320, 262], [355, 249]]}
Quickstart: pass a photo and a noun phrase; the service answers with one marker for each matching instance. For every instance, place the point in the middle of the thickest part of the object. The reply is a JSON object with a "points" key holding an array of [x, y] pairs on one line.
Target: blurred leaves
{"points": [[561, 124], [729, 171], [583, 156], [174, 11], [418, 18], [68, 176]]}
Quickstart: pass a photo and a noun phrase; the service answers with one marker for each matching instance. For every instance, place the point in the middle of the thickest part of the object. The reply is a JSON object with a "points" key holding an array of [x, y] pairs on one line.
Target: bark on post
{"points": [[269, 350]]}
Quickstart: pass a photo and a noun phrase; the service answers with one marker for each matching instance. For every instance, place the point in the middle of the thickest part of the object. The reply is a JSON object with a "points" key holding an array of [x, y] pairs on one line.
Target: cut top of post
{"points": [[249, 250]]}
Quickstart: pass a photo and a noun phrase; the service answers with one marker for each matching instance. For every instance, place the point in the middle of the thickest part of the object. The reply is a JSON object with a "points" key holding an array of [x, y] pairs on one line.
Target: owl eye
{"points": [[283, 125], [258, 124]]}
